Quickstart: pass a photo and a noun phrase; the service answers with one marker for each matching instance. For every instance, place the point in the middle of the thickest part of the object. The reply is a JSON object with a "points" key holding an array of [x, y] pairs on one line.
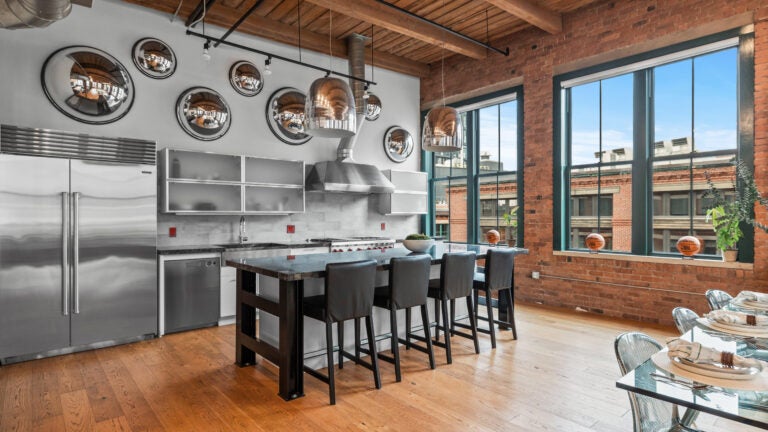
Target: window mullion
{"points": [[642, 167]]}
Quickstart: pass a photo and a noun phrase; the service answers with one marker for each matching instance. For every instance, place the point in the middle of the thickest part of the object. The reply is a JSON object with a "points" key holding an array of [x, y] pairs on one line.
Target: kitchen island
{"points": [[291, 272]]}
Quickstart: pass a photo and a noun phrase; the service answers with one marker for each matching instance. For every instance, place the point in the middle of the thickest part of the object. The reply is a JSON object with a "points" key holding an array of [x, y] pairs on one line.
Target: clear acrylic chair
{"points": [[649, 414], [685, 319], [717, 299]]}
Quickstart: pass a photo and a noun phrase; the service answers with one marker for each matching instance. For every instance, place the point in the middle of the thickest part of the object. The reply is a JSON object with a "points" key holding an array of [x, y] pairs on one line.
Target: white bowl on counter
{"points": [[418, 245]]}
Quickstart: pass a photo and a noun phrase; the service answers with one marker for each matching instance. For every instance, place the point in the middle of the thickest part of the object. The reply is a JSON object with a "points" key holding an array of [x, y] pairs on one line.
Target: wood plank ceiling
{"points": [[401, 42]]}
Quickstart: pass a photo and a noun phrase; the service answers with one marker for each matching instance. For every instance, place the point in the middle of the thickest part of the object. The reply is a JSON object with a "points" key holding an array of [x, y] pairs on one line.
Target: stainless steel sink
{"points": [[238, 252], [251, 245]]}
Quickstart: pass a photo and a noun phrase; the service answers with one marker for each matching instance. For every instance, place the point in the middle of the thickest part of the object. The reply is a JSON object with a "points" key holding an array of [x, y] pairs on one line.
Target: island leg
{"points": [[291, 365], [245, 318]]}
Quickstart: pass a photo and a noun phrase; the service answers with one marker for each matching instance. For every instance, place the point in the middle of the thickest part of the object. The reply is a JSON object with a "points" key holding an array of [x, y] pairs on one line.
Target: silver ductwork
{"points": [[344, 174], [21, 14]]}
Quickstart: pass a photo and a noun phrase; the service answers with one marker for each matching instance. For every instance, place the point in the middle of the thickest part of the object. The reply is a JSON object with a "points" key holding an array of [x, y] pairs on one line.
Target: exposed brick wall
{"points": [[603, 27]]}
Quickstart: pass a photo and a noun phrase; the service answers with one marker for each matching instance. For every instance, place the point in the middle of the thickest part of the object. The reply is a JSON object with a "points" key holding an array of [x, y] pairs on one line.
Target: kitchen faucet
{"points": [[243, 237]]}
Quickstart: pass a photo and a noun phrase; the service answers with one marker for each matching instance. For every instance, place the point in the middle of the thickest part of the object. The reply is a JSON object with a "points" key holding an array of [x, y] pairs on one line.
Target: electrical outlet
{"points": [[171, 231], [383, 226], [536, 275], [291, 229]]}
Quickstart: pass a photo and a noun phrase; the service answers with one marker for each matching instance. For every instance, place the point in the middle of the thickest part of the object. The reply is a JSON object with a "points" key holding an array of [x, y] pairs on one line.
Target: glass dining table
{"points": [[744, 401]]}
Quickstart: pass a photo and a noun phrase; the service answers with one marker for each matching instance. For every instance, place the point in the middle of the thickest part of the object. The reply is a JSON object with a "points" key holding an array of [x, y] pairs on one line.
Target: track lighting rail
{"points": [[269, 55], [197, 13], [239, 21]]}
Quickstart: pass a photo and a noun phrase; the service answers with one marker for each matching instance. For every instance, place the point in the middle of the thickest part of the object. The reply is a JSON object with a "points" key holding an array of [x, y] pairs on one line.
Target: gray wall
{"points": [[114, 26]]}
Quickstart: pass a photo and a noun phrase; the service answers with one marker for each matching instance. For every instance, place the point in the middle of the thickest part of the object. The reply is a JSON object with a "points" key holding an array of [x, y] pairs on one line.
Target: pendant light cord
{"points": [[330, 38], [372, 53], [442, 62], [298, 11]]}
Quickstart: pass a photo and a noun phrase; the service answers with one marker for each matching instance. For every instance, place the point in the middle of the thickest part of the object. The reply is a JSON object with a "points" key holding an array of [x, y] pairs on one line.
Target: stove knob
{"points": [[349, 250], [359, 249]]}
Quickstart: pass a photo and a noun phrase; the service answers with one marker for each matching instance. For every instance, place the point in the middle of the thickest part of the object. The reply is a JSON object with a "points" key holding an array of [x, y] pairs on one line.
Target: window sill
{"points": [[657, 260]]}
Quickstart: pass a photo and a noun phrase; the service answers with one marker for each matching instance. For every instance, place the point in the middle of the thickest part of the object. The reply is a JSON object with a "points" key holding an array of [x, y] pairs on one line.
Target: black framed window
{"points": [[478, 188], [641, 133]]}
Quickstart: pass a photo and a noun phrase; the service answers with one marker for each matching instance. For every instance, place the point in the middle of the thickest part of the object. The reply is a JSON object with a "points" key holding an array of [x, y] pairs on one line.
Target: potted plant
{"points": [[418, 242], [510, 233], [727, 214], [725, 223]]}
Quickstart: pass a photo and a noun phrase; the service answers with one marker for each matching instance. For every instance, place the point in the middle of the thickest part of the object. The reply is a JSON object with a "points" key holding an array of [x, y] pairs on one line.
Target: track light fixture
{"points": [[206, 55]]}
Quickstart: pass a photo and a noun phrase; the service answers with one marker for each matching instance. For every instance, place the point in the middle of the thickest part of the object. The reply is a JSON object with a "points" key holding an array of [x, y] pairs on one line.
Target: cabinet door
{"points": [[228, 292], [33, 300]]}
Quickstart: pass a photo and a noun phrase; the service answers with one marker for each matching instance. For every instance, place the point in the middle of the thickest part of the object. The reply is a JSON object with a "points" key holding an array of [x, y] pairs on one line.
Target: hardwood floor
{"points": [[559, 376]]}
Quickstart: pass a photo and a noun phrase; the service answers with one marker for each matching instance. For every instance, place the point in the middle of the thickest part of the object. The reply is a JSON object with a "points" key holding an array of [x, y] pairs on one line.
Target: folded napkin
{"points": [[753, 297], [694, 352], [740, 318]]}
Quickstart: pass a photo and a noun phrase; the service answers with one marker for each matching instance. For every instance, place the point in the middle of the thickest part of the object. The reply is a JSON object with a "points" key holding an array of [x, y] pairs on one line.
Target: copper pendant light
{"points": [[442, 130], [330, 106]]}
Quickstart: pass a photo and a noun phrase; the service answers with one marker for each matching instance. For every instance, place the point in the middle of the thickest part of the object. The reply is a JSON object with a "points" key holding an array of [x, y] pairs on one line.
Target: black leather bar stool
{"points": [[456, 272], [407, 288], [499, 276], [349, 290]]}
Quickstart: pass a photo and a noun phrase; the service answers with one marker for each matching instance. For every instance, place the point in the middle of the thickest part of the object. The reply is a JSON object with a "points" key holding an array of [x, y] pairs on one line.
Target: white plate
{"points": [[742, 328], [752, 305], [717, 371], [737, 330]]}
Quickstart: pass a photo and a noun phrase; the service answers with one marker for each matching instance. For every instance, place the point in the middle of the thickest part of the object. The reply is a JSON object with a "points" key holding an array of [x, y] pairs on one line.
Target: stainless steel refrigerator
{"points": [[77, 242]]}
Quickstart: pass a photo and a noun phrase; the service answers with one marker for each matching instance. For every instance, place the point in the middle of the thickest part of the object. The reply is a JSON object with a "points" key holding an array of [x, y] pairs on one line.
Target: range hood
{"points": [[344, 174], [341, 176]]}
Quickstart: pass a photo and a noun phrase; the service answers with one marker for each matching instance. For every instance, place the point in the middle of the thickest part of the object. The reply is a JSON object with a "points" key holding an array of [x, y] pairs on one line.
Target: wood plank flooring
{"points": [[559, 376]]}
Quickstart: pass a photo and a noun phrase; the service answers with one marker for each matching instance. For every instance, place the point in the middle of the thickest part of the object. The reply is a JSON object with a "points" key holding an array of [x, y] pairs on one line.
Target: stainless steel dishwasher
{"points": [[192, 294]]}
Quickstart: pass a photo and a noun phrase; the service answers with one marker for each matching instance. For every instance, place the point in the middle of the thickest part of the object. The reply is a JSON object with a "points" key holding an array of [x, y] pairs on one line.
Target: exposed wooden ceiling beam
{"points": [[263, 27], [543, 18], [257, 25], [379, 14]]}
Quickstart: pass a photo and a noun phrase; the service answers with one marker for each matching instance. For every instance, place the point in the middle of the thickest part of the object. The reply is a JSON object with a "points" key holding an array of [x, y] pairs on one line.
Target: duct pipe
{"points": [[356, 56], [21, 14]]}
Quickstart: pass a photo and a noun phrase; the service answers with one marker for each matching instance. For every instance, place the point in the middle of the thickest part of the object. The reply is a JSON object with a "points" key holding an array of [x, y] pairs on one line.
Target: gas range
{"points": [[356, 243]]}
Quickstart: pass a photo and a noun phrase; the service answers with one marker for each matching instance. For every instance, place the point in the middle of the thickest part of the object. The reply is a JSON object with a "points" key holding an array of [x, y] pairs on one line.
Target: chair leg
{"points": [[511, 312], [444, 307], [329, 354], [374, 354], [453, 315], [425, 321], [491, 324], [473, 324], [357, 340], [395, 343], [408, 328], [340, 331], [437, 319], [476, 298]]}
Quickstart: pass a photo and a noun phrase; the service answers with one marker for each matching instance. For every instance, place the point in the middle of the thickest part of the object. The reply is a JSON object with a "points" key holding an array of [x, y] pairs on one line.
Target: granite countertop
{"points": [[189, 249], [292, 268]]}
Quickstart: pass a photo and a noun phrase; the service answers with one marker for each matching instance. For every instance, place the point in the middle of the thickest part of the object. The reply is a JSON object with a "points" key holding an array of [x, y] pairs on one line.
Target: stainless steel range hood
{"points": [[344, 174]]}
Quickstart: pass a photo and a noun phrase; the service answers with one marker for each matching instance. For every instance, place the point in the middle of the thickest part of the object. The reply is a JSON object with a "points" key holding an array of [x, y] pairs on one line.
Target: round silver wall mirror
{"points": [[203, 113], [372, 107], [246, 78], [285, 115], [398, 144], [154, 58], [87, 84]]}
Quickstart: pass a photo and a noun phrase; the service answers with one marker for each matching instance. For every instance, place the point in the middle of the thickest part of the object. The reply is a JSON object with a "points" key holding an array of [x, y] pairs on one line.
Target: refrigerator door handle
{"points": [[75, 250], [65, 253]]}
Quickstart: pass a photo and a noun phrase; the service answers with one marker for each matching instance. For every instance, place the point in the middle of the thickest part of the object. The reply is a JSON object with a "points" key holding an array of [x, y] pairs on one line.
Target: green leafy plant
{"points": [[727, 214], [418, 237], [725, 222], [510, 219]]}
